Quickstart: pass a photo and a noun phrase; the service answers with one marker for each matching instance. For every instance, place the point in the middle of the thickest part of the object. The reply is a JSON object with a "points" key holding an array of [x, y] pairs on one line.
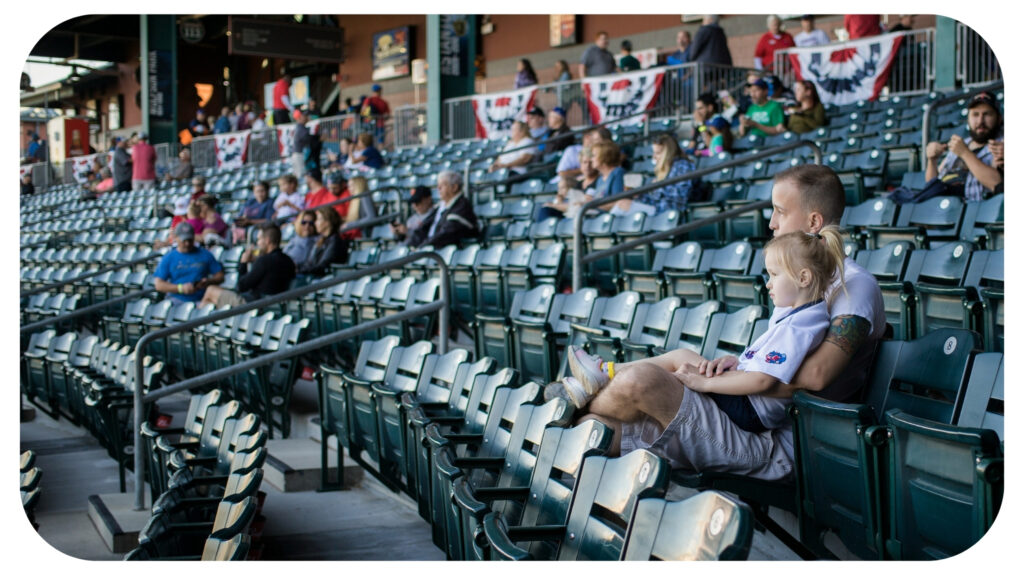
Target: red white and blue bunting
{"points": [[848, 72], [495, 113], [231, 149], [611, 97]]}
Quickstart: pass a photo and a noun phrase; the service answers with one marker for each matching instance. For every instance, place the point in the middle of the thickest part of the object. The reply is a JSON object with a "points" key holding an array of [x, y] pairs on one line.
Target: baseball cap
{"points": [[375, 88], [984, 98], [535, 111], [760, 83], [559, 110], [418, 194], [315, 174], [333, 177], [718, 123], [184, 231], [143, 136]]}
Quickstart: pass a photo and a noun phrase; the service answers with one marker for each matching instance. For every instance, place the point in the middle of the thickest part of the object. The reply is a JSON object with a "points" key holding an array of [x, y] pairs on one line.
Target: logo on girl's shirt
{"points": [[775, 357], [749, 354]]}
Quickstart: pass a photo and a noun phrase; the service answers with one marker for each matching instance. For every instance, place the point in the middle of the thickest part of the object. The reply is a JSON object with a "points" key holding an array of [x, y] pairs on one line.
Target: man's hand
{"points": [[997, 154], [494, 166], [247, 255], [717, 366], [189, 288], [935, 150], [958, 146], [399, 229], [689, 376]]}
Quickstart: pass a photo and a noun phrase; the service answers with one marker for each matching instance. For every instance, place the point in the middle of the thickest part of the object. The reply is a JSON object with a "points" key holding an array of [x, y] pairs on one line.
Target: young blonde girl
{"points": [[801, 269]]}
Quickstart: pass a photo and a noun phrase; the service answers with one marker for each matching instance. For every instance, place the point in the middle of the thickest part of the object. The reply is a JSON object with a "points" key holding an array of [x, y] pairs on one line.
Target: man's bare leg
{"points": [[644, 389], [669, 361], [211, 295]]}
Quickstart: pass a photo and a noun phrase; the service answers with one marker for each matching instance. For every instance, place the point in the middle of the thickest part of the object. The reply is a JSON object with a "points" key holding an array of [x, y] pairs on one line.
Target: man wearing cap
{"points": [[422, 203], [452, 221], [535, 121], [281, 105], [185, 271], [970, 160], [763, 117], [143, 164], [122, 166], [377, 108], [557, 127], [335, 190], [300, 143]]}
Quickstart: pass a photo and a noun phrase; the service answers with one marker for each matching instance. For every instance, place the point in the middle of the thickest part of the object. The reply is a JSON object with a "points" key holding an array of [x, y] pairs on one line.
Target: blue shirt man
{"points": [[184, 272]]}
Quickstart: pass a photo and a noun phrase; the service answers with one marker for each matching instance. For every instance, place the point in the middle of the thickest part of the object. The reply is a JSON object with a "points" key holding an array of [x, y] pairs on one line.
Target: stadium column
{"points": [[451, 71], [945, 53], [158, 47]]}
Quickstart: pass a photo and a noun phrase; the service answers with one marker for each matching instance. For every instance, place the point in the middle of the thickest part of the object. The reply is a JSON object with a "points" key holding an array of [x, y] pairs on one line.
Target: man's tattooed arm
{"points": [[848, 332]]}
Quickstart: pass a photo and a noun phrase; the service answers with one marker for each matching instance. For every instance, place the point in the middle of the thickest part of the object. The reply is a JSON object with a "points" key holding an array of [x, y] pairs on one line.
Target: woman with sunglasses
{"points": [[305, 237], [329, 248]]}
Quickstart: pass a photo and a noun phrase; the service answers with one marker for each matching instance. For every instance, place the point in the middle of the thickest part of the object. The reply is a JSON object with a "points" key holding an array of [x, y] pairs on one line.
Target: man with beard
{"points": [[970, 160]]}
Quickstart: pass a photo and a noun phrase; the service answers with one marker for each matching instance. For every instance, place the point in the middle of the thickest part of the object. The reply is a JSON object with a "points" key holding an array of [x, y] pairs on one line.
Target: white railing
{"points": [[976, 63], [679, 91], [410, 126], [913, 69]]}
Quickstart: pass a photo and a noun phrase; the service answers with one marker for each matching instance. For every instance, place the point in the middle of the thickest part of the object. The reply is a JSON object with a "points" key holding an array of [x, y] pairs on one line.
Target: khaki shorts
{"points": [[228, 297], [701, 437]]}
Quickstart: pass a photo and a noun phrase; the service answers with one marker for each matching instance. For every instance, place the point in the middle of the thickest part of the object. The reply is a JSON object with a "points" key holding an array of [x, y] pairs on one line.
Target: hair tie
{"points": [[814, 235]]}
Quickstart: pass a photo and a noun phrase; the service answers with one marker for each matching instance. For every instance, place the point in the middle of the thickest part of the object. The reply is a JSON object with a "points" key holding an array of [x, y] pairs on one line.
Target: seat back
{"points": [[481, 398], [707, 526], [985, 397], [437, 377], [689, 327], [406, 365], [653, 321], [731, 333], [233, 549]]}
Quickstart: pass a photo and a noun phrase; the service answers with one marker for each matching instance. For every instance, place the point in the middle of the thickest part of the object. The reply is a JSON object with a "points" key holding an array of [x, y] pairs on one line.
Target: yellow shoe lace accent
{"points": [[611, 369]]}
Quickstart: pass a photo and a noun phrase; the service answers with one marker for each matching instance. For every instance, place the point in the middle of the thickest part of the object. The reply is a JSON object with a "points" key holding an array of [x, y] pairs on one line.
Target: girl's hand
{"points": [[690, 377], [717, 366]]}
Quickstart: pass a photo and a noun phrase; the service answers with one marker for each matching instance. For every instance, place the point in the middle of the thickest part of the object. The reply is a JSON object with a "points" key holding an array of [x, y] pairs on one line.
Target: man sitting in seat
{"points": [[452, 222], [422, 203], [648, 407], [968, 162], [763, 117], [271, 272], [185, 272]]}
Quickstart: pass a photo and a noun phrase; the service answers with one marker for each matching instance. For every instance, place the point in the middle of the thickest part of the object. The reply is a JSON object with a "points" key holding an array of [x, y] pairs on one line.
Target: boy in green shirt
{"points": [[764, 117]]}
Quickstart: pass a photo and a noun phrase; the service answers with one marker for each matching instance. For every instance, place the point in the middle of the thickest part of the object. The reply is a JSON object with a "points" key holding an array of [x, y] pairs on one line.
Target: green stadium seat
{"points": [[707, 526], [650, 329], [890, 265], [935, 220], [538, 342], [688, 329]]}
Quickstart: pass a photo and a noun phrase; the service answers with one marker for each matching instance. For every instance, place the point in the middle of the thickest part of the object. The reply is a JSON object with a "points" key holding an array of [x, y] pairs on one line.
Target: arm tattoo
{"points": [[848, 332]]}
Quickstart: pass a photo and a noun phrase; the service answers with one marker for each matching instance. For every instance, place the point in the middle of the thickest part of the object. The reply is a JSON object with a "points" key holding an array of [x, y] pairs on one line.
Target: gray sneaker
{"points": [[586, 368], [569, 389]]}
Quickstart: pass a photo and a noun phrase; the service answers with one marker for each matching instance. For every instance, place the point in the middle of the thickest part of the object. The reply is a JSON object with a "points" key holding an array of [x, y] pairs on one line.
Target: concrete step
{"points": [[294, 465], [115, 519]]}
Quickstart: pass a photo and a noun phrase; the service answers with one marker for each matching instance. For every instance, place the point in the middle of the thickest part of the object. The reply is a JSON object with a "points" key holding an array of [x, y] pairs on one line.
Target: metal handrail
{"points": [[926, 119], [85, 310], [92, 274], [443, 307], [577, 238]]}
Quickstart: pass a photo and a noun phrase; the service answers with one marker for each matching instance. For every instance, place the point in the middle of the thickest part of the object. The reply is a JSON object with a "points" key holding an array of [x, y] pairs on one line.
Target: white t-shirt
{"points": [[296, 198], [815, 37], [792, 334], [510, 157]]}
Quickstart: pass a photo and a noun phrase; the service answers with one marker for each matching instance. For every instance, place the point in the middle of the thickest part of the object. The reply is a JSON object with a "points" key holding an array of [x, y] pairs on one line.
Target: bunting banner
{"points": [[25, 168], [231, 149], [848, 72], [495, 113], [80, 165], [622, 95], [286, 135]]}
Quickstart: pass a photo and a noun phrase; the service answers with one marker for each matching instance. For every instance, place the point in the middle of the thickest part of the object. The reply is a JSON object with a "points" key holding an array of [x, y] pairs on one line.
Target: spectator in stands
{"points": [[122, 166], [517, 153], [627, 61], [315, 189], [525, 76], [198, 124], [764, 117], [422, 203], [709, 44], [557, 127], [289, 200], [968, 162], [336, 189], [233, 117], [358, 207], [32, 154], [182, 202], [211, 122], [647, 407], [257, 210], [223, 123], [183, 170], [301, 244], [717, 136], [536, 124], [281, 103], [143, 164], [27, 188], [562, 73], [906, 22], [608, 161], [682, 53], [862, 25], [670, 162], [367, 155], [215, 229], [569, 163], [329, 248], [105, 183], [340, 160], [774, 39], [259, 122], [809, 113], [271, 273], [809, 35], [597, 60], [194, 217], [377, 109], [705, 108], [185, 272], [452, 222], [300, 143]]}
